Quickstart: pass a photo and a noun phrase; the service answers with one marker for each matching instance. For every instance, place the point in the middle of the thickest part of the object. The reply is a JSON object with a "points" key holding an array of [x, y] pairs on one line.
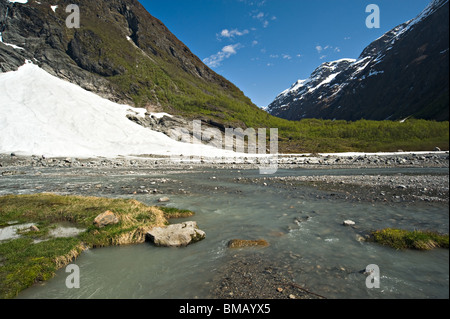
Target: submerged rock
{"points": [[177, 235], [240, 243], [105, 219], [349, 223]]}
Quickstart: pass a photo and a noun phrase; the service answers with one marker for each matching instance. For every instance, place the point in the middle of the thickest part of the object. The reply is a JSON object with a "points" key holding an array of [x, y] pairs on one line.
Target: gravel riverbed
{"points": [[382, 160]]}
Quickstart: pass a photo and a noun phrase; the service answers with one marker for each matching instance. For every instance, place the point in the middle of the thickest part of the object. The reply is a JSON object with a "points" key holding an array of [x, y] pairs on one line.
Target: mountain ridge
{"points": [[402, 74], [120, 52]]}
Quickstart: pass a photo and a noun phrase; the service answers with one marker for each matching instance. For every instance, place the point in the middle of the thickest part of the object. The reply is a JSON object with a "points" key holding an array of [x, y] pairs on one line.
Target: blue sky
{"points": [[263, 46]]}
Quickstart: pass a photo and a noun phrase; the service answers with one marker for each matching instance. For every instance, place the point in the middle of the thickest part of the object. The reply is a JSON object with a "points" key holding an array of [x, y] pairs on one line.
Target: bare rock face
{"points": [[177, 235], [105, 219]]}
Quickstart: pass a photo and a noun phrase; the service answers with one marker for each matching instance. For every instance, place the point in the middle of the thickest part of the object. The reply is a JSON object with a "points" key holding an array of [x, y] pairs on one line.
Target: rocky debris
{"points": [[251, 276], [240, 243], [179, 128], [105, 219], [164, 199], [177, 235], [373, 188], [34, 228]]}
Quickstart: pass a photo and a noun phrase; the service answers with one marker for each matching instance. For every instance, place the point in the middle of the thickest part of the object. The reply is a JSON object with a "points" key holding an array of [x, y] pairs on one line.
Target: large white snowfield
{"points": [[41, 114]]}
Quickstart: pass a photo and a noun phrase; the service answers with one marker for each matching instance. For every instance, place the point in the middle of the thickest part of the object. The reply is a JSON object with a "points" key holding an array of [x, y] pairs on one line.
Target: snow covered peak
{"points": [[324, 74], [384, 81]]}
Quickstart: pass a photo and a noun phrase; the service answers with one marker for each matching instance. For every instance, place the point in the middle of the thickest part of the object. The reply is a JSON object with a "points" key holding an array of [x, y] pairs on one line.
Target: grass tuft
{"points": [[404, 239], [170, 212]]}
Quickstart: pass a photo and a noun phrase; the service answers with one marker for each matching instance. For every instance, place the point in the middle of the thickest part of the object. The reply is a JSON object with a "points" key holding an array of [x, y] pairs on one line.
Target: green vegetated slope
{"points": [[127, 55], [153, 68]]}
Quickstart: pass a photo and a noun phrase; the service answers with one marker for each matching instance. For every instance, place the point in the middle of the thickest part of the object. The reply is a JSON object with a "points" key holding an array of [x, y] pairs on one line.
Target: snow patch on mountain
{"points": [[44, 115]]}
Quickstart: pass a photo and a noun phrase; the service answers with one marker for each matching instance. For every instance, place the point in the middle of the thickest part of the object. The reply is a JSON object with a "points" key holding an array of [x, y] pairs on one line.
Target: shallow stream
{"points": [[303, 226]]}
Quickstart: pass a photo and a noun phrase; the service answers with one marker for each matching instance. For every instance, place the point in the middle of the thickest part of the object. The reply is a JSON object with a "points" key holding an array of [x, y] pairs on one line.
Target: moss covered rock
{"points": [[240, 243]]}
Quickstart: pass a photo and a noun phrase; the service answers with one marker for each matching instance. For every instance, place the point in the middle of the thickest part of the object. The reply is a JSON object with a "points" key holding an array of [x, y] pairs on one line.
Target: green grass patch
{"points": [[404, 239], [170, 212], [24, 262]]}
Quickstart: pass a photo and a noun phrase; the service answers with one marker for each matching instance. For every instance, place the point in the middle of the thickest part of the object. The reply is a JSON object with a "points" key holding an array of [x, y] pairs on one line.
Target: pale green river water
{"points": [[323, 255]]}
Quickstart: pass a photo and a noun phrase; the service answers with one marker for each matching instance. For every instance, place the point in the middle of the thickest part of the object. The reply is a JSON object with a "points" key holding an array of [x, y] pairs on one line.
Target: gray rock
{"points": [[177, 235], [164, 199]]}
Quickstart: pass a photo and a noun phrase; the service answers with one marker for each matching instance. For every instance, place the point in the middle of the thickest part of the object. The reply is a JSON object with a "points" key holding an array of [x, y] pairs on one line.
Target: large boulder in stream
{"points": [[177, 235]]}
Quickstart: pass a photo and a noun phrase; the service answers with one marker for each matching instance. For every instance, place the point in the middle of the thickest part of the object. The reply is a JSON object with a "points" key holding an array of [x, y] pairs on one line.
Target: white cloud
{"points": [[215, 60], [321, 50], [230, 49], [254, 42], [258, 3], [263, 17], [259, 16], [284, 56], [225, 33]]}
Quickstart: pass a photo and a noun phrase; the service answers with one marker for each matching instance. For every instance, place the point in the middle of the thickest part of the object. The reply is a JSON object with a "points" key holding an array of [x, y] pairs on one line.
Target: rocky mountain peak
{"points": [[402, 74]]}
